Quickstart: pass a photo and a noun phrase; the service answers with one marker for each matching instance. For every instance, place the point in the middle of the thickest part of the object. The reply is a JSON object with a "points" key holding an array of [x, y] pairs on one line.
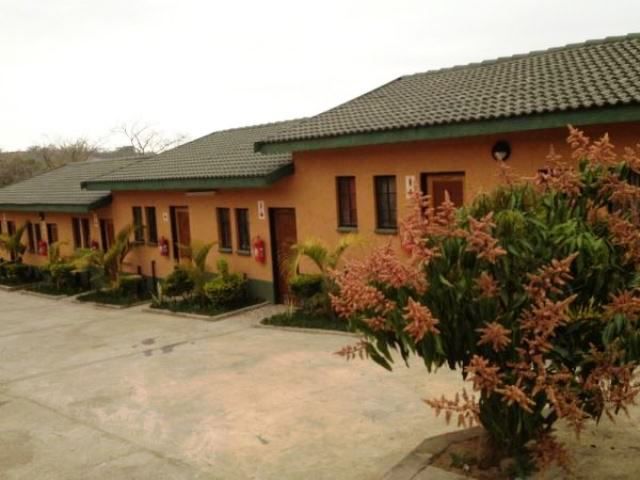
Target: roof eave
{"points": [[56, 207], [187, 184], [539, 121]]}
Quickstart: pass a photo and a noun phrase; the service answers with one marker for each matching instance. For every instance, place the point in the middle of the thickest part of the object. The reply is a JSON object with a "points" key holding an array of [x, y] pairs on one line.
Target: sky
{"points": [[82, 68]]}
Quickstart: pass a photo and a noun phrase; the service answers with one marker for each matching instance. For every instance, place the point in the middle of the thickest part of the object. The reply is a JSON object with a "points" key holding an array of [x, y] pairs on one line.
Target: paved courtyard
{"points": [[109, 394]]}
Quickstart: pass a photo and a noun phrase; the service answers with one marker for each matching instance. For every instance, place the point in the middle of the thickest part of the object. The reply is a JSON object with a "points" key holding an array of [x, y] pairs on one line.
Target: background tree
{"points": [[147, 140]]}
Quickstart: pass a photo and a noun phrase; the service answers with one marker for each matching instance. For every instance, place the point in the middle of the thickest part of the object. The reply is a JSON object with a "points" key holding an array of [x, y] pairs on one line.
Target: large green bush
{"points": [[532, 292], [178, 283], [226, 289]]}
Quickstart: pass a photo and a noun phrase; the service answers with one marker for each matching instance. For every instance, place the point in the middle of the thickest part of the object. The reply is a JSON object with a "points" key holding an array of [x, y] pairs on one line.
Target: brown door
{"points": [[182, 232], [283, 237]]}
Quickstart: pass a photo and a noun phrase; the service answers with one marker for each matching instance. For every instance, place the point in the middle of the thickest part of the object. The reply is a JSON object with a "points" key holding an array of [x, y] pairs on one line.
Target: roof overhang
{"points": [[55, 207], [191, 184], [539, 121]]}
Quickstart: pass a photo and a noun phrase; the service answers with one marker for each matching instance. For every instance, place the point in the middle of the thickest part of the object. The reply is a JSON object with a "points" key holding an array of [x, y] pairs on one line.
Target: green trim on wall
{"points": [[55, 207], [468, 129], [191, 183], [262, 289]]}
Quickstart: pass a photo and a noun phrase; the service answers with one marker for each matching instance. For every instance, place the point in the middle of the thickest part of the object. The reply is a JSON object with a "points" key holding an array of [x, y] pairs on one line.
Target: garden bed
{"points": [[53, 291], [113, 298], [190, 309], [301, 319]]}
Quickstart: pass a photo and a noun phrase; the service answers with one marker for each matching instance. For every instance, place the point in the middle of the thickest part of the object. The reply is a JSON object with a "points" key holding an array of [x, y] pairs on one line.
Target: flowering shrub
{"points": [[531, 291]]}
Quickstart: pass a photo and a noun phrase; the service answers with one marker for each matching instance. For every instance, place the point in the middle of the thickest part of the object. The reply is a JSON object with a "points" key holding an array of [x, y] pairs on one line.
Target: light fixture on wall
{"points": [[501, 150]]}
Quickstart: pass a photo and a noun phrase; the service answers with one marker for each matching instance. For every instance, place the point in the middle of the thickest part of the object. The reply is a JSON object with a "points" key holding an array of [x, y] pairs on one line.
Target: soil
{"points": [[464, 457]]}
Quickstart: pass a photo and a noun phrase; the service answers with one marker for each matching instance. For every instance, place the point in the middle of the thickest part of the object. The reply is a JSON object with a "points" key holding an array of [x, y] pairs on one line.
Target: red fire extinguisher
{"points": [[163, 246], [259, 250], [94, 245], [43, 248]]}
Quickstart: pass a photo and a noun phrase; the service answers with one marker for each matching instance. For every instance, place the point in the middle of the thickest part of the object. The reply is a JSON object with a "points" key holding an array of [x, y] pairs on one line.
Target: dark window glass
{"points": [[242, 225], [385, 192], [75, 227], [86, 232], [31, 245], [347, 212], [52, 233], [152, 226], [37, 233], [138, 234], [11, 227], [224, 228]]}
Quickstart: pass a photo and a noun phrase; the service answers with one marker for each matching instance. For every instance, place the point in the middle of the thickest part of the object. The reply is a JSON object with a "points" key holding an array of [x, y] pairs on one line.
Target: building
{"points": [[56, 209], [353, 168]]}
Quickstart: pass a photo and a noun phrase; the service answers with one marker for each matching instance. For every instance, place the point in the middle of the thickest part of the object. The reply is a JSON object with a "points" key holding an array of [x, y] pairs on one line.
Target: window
{"points": [[138, 233], [52, 233], [86, 232], [37, 233], [242, 225], [152, 226], [31, 241], [11, 227], [224, 229], [75, 227], [347, 213], [81, 230], [437, 185], [385, 192]]}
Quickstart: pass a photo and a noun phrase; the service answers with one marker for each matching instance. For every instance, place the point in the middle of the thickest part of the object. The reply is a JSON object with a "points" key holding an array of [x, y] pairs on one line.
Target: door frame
{"points": [[174, 229], [275, 261]]}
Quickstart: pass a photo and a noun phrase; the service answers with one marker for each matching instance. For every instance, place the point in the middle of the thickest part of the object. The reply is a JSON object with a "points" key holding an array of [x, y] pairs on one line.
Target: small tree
{"points": [[532, 292], [197, 269]]}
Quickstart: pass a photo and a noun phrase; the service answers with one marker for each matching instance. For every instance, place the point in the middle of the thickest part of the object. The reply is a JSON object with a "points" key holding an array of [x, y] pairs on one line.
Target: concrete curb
{"points": [[417, 465], [208, 318], [107, 305], [44, 295], [315, 331], [13, 288]]}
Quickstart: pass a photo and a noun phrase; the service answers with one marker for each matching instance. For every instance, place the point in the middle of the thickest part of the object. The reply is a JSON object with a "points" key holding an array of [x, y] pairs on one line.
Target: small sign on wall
{"points": [[165, 217], [410, 185], [261, 210]]}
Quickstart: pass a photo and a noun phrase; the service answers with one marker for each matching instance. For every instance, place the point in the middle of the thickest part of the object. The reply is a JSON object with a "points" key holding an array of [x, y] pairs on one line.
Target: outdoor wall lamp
{"points": [[501, 151]]}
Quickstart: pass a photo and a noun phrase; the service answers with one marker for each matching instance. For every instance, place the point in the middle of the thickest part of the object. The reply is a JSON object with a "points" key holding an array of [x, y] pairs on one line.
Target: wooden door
{"points": [[183, 232], [283, 237]]}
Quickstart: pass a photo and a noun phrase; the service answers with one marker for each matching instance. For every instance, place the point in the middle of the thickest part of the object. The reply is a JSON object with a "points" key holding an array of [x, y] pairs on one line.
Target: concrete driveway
{"points": [[108, 394]]}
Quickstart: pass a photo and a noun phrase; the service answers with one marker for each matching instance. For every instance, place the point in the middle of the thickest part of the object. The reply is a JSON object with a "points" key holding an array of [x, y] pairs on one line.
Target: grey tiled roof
{"points": [[223, 154], [61, 186], [596, 73]]}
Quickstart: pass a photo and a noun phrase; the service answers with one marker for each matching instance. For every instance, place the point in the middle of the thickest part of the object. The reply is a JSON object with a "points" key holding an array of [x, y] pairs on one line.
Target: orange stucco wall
{"points": [[62, 220], [311, 191]]}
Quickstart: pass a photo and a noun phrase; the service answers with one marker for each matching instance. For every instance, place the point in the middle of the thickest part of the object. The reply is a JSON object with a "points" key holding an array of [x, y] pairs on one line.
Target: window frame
{"points": [[386, 203], [138, 224], [151, 225], [31, 243], [225, 234], [347, 217], [52, 227], [243, 231]]}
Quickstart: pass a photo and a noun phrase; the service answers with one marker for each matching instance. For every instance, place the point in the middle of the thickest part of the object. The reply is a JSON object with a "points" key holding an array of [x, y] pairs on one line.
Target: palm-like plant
{"points": [[322, 256], [197, 269], [314, 289], [106, 265], [12, 244]]}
